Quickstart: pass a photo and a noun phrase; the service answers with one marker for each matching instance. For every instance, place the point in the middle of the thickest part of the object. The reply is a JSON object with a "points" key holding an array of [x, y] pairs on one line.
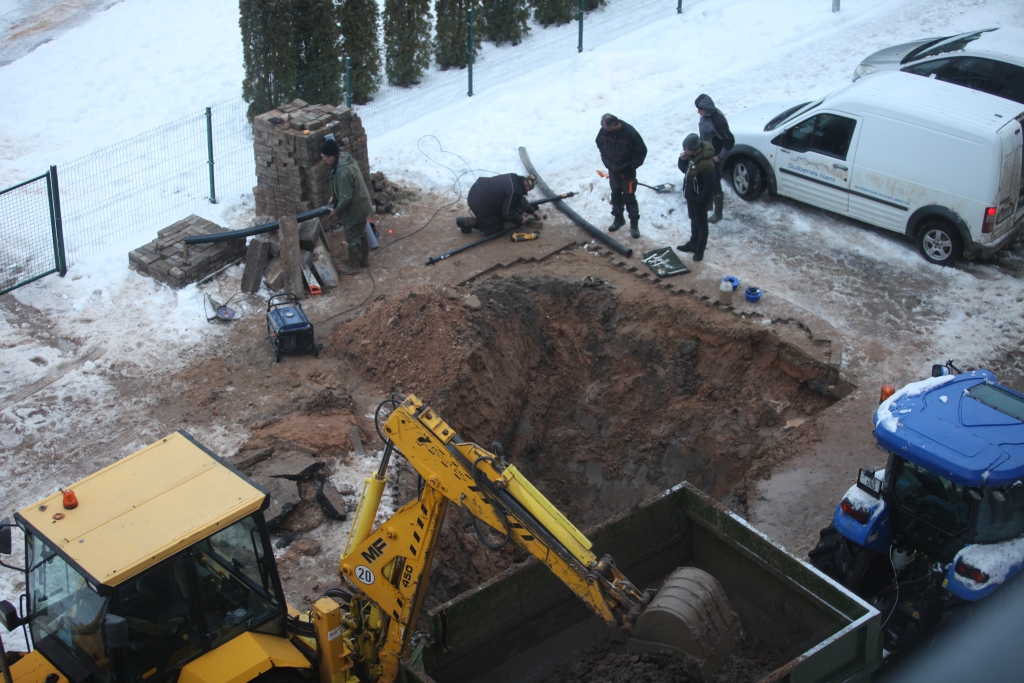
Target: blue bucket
{"points": [[732, 280], [753, 294]]}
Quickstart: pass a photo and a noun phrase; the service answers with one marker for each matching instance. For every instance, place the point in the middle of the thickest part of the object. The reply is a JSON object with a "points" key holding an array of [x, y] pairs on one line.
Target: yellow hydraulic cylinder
{"points": [[366, 513]]}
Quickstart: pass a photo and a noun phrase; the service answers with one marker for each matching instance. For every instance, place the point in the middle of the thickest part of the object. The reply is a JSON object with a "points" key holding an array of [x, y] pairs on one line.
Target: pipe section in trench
{"points": [[575, 217]]}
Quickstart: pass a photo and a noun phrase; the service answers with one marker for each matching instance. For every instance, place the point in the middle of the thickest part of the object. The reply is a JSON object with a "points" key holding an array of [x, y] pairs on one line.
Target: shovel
{"points": [[660, 189]]}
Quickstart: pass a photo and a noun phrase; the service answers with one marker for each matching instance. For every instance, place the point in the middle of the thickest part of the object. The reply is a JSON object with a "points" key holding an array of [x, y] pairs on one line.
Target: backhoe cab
{"points": [[164, 560]]}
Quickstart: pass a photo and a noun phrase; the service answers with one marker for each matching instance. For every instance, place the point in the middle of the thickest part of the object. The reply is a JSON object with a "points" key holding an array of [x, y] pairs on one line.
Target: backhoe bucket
{"points": [[691, 618]]}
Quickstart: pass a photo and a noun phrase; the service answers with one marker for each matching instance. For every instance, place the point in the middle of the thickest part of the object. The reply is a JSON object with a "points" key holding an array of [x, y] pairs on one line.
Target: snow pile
{"points": [[862, 501], [884, 417], [1006, 41]]}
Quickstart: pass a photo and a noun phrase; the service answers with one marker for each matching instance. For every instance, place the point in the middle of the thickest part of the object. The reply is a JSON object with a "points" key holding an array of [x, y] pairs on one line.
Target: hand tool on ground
{"points": [[524, 236], [660, 189]]}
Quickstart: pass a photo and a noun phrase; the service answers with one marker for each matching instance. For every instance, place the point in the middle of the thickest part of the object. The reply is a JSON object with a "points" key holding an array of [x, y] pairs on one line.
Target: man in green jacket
{"points": [[697, 162], [350, 201]]}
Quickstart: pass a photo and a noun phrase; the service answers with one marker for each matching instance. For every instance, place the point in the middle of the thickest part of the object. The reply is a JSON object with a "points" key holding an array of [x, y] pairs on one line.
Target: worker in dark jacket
{"points": [[697, 162], [622, 151], [350, 202], [498, 203], [714, 129]]}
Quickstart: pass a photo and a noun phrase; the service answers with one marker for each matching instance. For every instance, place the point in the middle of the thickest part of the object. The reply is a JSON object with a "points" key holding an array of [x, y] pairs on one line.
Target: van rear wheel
{"points": [[747, 178], [939, 242]]}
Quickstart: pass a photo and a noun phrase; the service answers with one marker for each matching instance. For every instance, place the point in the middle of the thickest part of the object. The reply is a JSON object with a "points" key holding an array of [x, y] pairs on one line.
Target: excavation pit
{"points": [[601, 398]]}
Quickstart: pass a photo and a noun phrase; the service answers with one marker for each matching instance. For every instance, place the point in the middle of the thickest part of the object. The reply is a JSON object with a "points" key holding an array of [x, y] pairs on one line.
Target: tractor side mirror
{"points": [[9, 616], [5, 536], [939, 370], [115, 631]]}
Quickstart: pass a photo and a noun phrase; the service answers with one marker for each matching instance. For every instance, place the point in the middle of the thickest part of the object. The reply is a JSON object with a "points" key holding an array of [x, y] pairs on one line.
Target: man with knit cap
{"points": [[350, 202], [697, 162], [622, 151], [714, 129]]}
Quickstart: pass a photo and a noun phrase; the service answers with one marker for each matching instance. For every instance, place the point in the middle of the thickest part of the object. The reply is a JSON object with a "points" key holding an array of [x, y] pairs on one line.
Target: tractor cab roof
{"points": [[967, 428], [142, 509]]}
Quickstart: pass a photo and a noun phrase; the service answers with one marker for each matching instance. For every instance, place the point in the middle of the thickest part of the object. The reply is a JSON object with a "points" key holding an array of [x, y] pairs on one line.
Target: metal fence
{"points": [[157, 177], [30, 233]]}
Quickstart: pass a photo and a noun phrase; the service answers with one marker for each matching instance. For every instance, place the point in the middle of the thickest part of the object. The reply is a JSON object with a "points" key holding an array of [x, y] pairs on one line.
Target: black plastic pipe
{"points": [[575, 217], [256, 230]]}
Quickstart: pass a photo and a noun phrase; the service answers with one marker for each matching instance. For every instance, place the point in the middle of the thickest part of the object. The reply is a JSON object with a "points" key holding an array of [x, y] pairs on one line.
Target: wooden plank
{"points": [[291, 262], [255, 263], [324, 267]]}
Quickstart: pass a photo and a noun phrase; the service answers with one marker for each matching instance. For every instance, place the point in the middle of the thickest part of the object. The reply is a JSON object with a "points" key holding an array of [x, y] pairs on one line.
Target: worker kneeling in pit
{"points": [[350, 203], [498, 203]]}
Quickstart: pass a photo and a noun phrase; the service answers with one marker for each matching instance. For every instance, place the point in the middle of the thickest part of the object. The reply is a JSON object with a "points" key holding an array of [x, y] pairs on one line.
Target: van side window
{"points": [[828, 134]]}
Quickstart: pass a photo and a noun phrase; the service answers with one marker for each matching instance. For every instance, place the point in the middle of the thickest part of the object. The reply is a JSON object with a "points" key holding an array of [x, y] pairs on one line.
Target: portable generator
{"points": [[290, 329]]}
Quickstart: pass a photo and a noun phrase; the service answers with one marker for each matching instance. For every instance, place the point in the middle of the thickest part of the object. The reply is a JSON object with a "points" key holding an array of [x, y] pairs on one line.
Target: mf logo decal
{"points": [[365, 575], [375, 550]]}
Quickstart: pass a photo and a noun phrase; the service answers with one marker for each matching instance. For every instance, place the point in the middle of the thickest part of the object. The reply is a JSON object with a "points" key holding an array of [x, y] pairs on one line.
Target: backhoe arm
{"points": [[391, 563]]}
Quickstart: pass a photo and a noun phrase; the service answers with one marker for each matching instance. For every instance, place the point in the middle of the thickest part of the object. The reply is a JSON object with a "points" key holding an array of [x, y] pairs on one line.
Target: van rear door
{"points": [[814, 160], [1010, 198]]}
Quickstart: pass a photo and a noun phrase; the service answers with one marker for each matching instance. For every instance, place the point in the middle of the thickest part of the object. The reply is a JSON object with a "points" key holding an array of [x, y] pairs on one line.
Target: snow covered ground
{"points": [[137, 64]]}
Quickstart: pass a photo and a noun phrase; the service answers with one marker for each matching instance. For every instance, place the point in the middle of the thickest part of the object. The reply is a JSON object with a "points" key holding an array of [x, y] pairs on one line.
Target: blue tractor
{"points": [[942, 526]]}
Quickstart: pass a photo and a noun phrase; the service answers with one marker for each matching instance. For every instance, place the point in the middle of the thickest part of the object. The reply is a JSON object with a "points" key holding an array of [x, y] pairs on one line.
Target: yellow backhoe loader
{"points": [[159, 568]]}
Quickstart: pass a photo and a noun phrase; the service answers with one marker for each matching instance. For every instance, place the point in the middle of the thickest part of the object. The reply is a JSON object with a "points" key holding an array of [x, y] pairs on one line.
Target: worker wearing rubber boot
{"points": [[498, 203], [697, 162], [350, 202], [622, 152], [714, 129]]}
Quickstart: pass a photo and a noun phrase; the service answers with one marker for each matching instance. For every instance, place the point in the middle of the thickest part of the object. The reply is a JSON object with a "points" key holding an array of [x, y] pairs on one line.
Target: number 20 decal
{"points": [[365, 575]]}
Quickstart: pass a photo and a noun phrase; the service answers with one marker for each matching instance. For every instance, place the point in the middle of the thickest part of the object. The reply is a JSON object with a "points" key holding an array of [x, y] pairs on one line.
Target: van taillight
{"points": [[990, 219]]}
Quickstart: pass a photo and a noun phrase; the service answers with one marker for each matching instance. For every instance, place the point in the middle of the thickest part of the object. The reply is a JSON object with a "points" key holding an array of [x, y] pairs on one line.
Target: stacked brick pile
{"points": [[290, 176], [168, 260]]}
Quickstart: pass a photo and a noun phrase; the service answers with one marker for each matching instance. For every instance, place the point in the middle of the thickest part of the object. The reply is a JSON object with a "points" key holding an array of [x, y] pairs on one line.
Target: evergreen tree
{"points": [[557, 12], [268, 51], [406, 40], [360, 35], [591, 4], [504, 21], [320, 70], [452, 32]]}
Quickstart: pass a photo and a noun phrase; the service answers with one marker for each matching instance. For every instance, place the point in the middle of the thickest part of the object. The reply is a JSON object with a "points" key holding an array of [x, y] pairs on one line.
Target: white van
{"points": [[941, 163]]}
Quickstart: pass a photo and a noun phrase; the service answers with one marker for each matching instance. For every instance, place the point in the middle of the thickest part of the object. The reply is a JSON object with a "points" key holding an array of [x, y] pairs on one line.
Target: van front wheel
{"points": [[747, 178], [939, 242]]}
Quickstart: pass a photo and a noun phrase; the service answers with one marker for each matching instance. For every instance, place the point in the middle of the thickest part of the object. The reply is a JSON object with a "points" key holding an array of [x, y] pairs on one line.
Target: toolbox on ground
{"points": [[290, 329]]}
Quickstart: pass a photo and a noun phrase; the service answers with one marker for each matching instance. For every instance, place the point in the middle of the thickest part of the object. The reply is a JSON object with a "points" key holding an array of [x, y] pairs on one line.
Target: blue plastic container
{"points": [[732, 280], [753, 294]]}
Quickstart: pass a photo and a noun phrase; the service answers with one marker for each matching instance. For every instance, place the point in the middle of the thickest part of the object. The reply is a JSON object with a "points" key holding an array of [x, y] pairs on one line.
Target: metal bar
{"points": [[256, 230], [579, 48], [434, 259], [58, 223], [348, 82], [469, 51], [679, 7], [835, 5], [575, 217], [27, 182], [31, 279], [209, 152]]}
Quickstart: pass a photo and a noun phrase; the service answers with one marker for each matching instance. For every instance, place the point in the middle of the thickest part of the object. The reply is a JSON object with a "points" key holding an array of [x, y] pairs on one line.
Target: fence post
{"points": [[60, 257], [679, 7], [579, 48], [348, 82], [469, 50], [835, 5], [209, 153]]}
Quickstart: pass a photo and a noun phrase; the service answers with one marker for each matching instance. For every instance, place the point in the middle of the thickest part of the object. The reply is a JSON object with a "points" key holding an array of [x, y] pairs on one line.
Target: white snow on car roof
{"points": [[1007, 41]]}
